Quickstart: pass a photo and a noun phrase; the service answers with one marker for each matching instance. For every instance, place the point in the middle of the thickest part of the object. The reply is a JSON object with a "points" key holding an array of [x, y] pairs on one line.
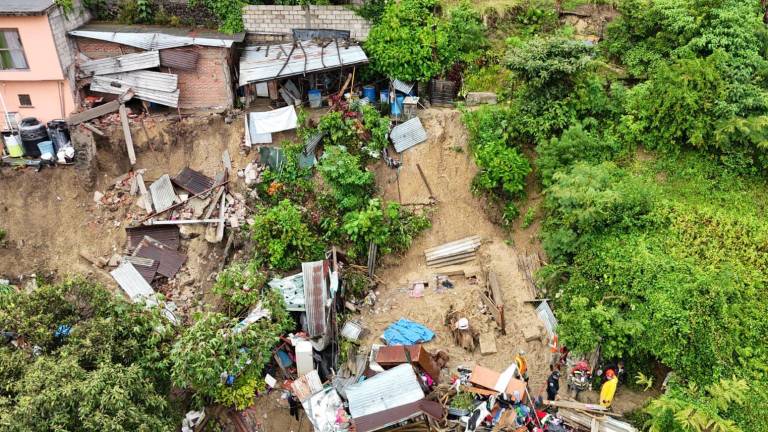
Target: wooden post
{"points": [[127, 133]]}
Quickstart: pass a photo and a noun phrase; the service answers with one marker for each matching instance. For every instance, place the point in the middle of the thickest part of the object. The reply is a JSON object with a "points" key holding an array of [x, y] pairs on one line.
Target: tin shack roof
{"points": [[381, 420], [389, 389], [264, 63], [24, 7], [156, 37]]}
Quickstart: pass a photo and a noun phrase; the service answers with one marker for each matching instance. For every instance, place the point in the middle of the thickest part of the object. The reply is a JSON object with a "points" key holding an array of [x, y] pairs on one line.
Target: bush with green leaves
{"points": [[111, 372], [549, 61], [216, 347], [282, 238], [350, 184], [290, 180], [390, 226], [411, 43], [229, 12], [239, 285], [503, 168], [361, 130], [577, 144]]}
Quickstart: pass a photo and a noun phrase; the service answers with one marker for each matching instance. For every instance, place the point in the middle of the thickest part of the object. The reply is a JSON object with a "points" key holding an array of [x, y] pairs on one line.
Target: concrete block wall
{"points": [[207, 87], [282, 19]]}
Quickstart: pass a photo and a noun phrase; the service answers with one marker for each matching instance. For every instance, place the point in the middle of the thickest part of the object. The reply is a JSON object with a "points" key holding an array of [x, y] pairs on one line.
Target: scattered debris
{"points": [[480, 98], [193, 181], [170, 261], [494, 301], [163, 195]]}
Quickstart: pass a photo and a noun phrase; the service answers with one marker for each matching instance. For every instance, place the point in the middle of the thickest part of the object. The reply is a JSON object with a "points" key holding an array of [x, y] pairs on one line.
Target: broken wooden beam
{"points": [[182, 203], [127, 134], [426, 183], [92, 128], [93, 113]]}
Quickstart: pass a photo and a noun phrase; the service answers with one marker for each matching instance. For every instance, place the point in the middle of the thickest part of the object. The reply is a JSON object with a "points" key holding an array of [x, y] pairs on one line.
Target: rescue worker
{"points": [[522, 365], [553, 384], [608, 390]]}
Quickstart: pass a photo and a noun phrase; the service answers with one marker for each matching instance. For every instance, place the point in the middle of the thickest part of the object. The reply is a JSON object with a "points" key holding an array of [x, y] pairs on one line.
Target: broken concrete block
{"points": [[532, 333], [114, 260], [487, 343], [97, 196], [480, 98]]}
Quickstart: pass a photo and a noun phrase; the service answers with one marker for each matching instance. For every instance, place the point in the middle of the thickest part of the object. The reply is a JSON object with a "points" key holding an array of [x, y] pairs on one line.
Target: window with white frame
{"points": [[11, 52]]}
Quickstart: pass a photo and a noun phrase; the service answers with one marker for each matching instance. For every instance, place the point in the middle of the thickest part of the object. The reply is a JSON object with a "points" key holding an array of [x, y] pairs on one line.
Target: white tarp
{"points": [[278, 120]]}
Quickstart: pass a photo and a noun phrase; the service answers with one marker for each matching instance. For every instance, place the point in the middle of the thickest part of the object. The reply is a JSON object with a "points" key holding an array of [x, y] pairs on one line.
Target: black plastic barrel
{"points": [[32, 132], [58, 130]]}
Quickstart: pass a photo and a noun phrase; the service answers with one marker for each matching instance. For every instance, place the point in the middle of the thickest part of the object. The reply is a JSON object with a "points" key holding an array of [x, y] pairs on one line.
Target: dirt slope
{"points": [[458, 213]]}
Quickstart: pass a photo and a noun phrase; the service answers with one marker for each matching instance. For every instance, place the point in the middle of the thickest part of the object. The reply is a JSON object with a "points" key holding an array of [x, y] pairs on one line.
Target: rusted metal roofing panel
{"points": [[389, 389], [156, 37], [389, 356], [170, 261], [123, 63], [193, 181], [106, 84], [148, 80], [133, 283], [381, 420], [408, 134], [264, 63], [315, 290], [165, 234], [145, 266], [163, 194], [180, 59]]}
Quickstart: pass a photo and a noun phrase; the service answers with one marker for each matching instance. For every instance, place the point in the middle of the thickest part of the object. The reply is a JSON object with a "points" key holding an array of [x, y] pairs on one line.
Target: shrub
{"points": [[389, 226], [549, 61], [350, 185], [240, 285], [281, 238]]}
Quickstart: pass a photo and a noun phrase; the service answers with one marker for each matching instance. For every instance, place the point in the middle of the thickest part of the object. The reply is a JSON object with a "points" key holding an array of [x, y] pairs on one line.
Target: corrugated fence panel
{"points": [[408, 134]]}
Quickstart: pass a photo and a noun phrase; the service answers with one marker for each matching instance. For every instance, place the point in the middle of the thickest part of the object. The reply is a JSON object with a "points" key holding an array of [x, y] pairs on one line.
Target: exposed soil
{"points": [[449, 169]]}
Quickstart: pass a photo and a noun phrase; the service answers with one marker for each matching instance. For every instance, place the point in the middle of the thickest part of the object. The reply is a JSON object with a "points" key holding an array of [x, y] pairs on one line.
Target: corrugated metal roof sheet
{"points": [[401, 86], [155, 38], [182, 59], [408, 134], [170, 261], [388, 418], [105, 84], [315, 290], [547, 317], [145, 266], [266, 63], [123, 63], [389, 389], [163, 194], [147, 80], [133, 283], [292, 288], [193, 181], [166, 234]]}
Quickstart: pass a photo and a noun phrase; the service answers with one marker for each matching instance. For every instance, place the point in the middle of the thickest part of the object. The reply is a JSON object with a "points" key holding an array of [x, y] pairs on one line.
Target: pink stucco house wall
{"points": [[41, 83]]}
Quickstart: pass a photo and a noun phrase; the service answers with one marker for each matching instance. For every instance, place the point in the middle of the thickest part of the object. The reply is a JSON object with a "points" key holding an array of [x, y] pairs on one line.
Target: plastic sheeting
{"points": [[406, 332], [278, 120]]}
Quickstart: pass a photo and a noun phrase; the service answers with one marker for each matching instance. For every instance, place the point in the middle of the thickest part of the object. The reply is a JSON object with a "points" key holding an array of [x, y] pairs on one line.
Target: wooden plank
{"points": [[93, 113], [576, 405], [491, 308], [143, 195], [426, 183], [487, 343], [127, 134], [498, 299], [92, 128]]}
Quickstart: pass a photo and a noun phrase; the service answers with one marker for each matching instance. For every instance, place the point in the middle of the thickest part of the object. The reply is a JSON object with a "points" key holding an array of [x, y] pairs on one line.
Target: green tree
{"points": [[350, 184]]}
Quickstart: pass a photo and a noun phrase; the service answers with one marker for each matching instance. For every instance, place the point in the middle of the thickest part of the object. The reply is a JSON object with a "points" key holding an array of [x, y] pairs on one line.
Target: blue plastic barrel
{"points": [[397, 107], [46, 147], [369, 92], [384, 96], [315, 98]]}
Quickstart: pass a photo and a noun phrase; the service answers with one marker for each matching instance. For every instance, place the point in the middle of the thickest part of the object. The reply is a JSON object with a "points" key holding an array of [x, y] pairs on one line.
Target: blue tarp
{"points": [[405, 332]]}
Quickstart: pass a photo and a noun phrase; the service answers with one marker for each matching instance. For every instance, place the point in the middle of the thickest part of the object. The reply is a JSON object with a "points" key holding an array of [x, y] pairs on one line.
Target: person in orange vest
{"points": [[522, 365], [554, 350], [608, 390]]}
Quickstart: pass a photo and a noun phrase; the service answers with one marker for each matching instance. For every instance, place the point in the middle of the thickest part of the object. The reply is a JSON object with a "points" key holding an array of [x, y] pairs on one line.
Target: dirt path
{"points": [[449, 169]]}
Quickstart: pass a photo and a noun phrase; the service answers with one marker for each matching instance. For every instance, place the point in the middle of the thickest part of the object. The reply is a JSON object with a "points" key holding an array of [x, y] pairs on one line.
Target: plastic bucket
{"points": [[369, 92], [384, 96], [13, 145], [46, 147], [397, 107], [315, 98]]}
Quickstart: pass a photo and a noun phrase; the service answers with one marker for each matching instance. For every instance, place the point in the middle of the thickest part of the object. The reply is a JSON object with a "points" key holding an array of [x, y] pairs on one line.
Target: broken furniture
{"points": [[455, 252], [494, 382]]}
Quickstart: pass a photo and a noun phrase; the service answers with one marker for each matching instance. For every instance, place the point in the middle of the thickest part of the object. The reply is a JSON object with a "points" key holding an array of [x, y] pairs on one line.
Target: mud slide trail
{"points": [[449, 169]]}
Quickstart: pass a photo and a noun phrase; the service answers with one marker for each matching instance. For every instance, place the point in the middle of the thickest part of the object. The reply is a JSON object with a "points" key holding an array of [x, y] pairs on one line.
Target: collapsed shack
{"points": [[163, 65], [314, 66]]}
